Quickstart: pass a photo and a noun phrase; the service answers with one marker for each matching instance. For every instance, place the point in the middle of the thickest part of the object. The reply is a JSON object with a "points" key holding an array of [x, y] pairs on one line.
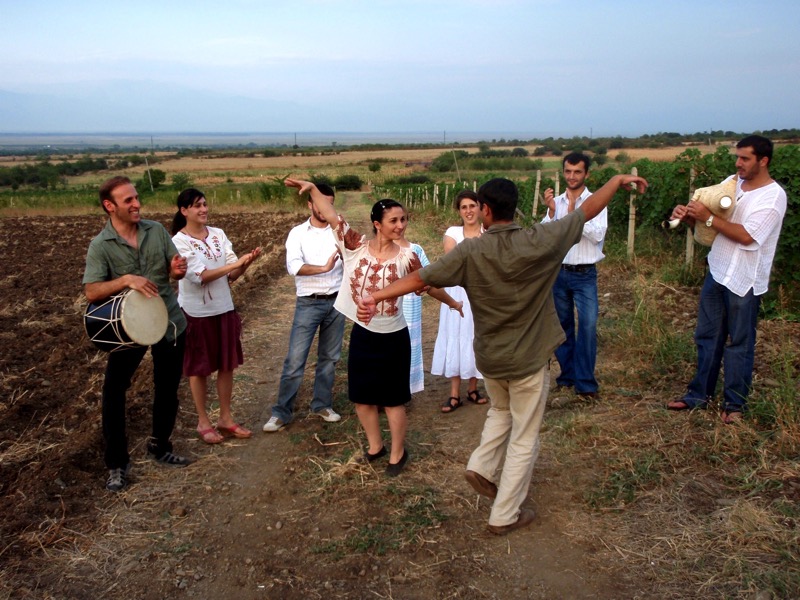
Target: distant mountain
{"points": [[144, 107]]}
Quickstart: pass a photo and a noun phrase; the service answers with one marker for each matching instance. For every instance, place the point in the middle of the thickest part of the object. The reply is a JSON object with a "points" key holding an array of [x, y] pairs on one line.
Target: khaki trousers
{"points": [[511, 432]]}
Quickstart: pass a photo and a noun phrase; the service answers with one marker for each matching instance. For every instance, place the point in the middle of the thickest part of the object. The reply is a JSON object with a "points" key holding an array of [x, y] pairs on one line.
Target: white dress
{"points": [[412, 309], [453, 355]]}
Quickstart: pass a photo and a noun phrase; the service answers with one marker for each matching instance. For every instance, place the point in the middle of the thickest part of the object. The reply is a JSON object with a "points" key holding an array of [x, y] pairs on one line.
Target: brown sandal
{"points": [[475, 397], [449, 406]]}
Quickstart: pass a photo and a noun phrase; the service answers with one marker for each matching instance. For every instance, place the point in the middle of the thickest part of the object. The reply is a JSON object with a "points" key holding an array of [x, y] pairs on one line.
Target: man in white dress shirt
{"points": [[313, 259], [739, 265], [576, 285]]}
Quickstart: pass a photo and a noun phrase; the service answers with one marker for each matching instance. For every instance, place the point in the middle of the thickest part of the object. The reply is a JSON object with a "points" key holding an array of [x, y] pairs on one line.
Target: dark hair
{"points": [[185, 199], [380, 207], [464, 194], [502, 196], [761, 146], [109, 186], [326, 189], [575, 158]]}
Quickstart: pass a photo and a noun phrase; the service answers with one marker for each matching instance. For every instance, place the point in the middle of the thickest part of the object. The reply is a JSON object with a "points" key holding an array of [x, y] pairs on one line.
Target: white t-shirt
{"points": [[195, 297], [736, 266], [364, 274]]}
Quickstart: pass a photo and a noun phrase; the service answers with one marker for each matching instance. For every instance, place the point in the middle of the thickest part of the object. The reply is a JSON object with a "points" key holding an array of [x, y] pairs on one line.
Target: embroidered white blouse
{"points": [[195, 297], [364, 274]]}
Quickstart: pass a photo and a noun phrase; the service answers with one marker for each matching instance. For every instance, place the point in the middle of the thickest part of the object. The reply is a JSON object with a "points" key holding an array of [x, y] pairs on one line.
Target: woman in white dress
{"points": [[453, 356], [412, 310]]}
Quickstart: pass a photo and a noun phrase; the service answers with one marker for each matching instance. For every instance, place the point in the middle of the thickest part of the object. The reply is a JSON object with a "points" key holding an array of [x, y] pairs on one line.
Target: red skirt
{"points": [[212, 344]]}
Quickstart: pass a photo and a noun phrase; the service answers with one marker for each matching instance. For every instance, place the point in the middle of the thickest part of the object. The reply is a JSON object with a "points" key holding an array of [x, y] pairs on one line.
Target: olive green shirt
{"points": [[110, 257], [508, 274]]}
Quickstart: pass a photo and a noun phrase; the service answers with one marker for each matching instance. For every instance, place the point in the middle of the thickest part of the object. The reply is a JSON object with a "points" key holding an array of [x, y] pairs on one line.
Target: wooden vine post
{"points": [[632, 217], [689, 234], [536, 192]]}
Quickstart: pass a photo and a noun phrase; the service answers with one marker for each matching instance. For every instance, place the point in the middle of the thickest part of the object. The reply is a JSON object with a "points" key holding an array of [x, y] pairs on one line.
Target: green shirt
{"points": [[508, 274], [110, 257]]}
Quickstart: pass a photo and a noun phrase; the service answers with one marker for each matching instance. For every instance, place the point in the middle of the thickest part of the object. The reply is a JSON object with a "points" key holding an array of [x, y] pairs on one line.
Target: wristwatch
{"points": [[710, 221]]}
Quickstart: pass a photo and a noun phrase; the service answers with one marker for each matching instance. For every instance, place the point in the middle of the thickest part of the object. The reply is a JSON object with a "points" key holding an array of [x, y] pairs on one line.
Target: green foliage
{"points": [[414, 512], [447, 161], [414, 179], [318, 179], [154, 179], [271, 192], [348, 182], [46, 175], [785, 169], [635, 473], [622, 158], [374, 167], [485, 160], [181, 181]]}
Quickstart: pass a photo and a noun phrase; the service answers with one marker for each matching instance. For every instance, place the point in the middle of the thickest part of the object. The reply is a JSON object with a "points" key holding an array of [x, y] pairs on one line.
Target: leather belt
{"points": [[323, 296], [577, 268]]}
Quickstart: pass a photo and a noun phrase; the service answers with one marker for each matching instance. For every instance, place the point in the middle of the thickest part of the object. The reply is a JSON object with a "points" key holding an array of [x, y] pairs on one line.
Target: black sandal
{"points": [[368, 458], [475, 397], [450, 406]]}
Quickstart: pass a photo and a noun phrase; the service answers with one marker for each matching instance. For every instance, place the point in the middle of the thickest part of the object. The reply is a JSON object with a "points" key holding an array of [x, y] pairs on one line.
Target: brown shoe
{"points": [[480, 484], [526, 517]]}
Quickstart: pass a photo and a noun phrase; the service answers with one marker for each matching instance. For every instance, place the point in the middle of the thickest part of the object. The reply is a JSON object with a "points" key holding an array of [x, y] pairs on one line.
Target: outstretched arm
{"points": [[600, 199], [405, 285], [322, 203], [446, 299]]}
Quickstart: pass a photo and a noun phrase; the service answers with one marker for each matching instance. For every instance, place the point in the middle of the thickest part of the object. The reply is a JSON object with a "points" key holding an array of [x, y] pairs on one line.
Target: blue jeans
{"points": [[578, 354], [310, 314], [120, 368], [724, 315]]}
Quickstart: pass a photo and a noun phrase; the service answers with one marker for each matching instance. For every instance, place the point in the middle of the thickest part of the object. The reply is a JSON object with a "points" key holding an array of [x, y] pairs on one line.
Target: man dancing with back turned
{"points": [[508, 274]]}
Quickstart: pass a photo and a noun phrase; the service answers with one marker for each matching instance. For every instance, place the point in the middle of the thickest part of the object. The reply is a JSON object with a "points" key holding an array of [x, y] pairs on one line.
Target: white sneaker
{"points": [[330, 415], [274, 424]]}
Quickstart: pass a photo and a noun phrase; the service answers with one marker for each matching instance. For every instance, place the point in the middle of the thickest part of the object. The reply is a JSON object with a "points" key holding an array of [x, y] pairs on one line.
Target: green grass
{"points": [[627, 479], [411, 512]]}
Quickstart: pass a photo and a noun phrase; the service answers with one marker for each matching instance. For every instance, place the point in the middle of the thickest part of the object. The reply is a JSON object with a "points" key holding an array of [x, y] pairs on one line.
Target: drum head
{"points": [[144, 319]]}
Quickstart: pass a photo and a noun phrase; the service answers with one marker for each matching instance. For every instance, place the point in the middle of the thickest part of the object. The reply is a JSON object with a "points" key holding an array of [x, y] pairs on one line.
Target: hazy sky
{"points": [[545, 67]]}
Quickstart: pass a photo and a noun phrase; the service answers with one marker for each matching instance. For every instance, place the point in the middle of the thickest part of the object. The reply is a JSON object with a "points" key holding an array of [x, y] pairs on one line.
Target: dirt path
{"points": [[292, 515]]}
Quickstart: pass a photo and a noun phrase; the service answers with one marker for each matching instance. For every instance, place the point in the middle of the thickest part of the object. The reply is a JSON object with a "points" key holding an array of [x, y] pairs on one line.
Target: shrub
{"points": [[181, 181], [416, 178], [318, 179], [374, 167], [348, 182]]}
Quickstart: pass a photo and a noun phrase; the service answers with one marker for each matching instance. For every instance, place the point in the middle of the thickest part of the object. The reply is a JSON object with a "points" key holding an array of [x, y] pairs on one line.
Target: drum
{"points": [[128, 320]]}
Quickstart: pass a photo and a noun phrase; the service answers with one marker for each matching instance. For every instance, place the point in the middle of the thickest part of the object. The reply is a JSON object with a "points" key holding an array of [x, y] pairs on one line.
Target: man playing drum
{"points": [[133, 253]]}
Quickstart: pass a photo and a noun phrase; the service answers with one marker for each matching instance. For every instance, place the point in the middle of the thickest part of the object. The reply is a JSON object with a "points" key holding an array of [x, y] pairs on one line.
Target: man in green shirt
{"points": [[508, 274], [134, 253]]}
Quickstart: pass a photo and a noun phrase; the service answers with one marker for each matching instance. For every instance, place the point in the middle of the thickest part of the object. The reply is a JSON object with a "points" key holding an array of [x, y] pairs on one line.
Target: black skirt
{"points": [[378, 366]]}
